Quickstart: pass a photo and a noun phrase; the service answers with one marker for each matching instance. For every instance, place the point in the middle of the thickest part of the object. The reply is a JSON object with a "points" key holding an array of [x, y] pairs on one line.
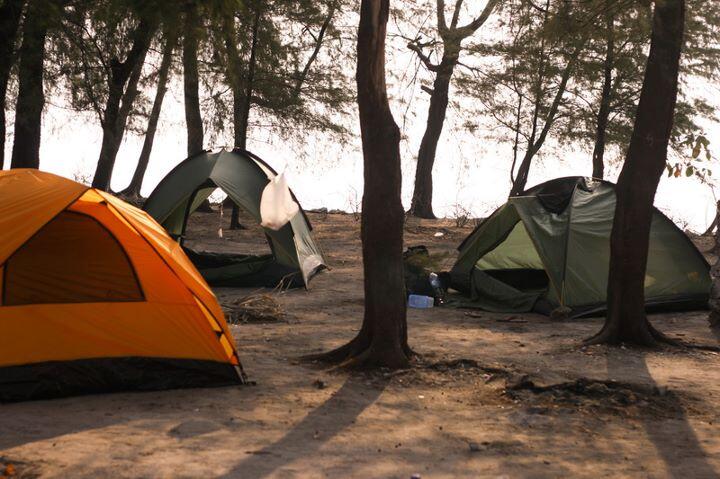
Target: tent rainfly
{"points": [[550, 247], [295, 257], [96, 297]]}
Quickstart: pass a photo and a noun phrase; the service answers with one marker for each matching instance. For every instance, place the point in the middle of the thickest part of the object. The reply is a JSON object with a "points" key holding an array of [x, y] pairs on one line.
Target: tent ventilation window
{"points": [[72, 259]]}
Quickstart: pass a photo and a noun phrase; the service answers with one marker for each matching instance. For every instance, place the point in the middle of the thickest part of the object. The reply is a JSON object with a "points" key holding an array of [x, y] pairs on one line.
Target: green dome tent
{"points": [[295, 257], [550, 247]]}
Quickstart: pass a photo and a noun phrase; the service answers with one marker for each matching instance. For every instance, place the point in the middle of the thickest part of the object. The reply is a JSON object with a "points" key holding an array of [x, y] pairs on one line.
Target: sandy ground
{"points": [[493, 395]]}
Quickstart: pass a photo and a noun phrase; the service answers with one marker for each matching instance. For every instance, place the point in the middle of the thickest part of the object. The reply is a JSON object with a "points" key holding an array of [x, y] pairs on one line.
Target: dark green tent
{"points": [[550, 247], [295, 257]]}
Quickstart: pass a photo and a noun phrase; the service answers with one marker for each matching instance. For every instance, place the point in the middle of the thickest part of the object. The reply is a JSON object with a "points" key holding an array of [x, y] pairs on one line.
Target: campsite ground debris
{"points": [[560, 313], [511, 319], [465, 364], [254, 308], [320, 384], [585, 393], [582, 394]]}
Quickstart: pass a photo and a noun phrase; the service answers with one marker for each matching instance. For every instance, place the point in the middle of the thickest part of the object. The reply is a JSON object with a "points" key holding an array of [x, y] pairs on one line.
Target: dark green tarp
{"points": [[243, 177], [551, 245]]}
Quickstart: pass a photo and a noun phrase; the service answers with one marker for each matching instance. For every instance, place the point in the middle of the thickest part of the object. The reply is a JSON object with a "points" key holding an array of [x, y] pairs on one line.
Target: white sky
{"points": [[470, 170]]}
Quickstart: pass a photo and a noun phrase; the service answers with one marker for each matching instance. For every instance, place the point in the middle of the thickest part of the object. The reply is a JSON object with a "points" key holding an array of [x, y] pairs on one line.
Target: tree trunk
{"points": [[452, 37], [297, 90], [626, 321], [715, 221], [604, 111], [382, 340], [191, 81], [242, 100], [714, 301], [421, 205], [10, 14], [519, 180], [523, 173], [122, 90], [516, 141], [31, 97], [538, 140], [133, 188]]}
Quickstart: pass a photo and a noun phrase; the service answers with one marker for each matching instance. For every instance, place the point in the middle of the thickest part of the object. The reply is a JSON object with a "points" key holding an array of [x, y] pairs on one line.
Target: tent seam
{"points": [[567, 242], [173, 272], [46, 223]]}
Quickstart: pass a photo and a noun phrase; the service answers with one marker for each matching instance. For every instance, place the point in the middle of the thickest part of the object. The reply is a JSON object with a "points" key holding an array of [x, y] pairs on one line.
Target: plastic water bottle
{"points": [[420, 301], [437, 289]]}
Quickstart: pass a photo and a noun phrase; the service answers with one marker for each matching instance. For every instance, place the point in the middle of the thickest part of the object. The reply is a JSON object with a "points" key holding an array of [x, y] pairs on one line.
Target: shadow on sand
{"points": [[313, 431], [27, 422], [673, 438]]}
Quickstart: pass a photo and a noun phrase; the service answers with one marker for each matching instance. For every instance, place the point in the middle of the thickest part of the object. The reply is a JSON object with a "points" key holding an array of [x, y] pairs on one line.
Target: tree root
{"points": [[700, 347], [339, 355], [613, 335], [362, 353], [370, 359], [465, 364], [714, 319]]}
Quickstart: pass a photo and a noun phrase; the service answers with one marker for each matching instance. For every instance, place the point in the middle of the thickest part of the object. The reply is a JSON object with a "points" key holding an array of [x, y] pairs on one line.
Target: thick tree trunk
{"points": [[191, 81], [626, 321], [452, 37], [714, 302], [242, 100], [421, 205], [122, 91], [133, 188], [10, 14], [715, 221], [31, 96], [604, 111], [382, 340]]}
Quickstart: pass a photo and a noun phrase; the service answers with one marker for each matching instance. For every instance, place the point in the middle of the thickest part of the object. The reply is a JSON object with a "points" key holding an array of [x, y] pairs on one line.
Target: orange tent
{"points": [[96, 297]]}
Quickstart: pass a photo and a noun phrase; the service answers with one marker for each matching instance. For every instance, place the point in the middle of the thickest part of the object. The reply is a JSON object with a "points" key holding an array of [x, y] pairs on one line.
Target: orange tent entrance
{"points": [[96, 297]]}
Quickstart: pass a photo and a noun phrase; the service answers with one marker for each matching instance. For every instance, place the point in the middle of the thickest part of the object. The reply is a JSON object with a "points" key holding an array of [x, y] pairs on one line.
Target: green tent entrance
{"points": [[550, 247], [295, 257]]}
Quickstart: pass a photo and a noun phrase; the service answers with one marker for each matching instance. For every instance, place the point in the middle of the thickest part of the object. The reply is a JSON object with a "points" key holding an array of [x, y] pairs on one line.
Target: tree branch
{"points": [[456, 14], [551, 116], [471, 27], [425, 59], [316, 50], [442, 24], [536, 7]]}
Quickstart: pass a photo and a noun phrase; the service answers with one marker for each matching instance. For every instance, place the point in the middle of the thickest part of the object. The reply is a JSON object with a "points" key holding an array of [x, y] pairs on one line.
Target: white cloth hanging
{"points": [[276, 204]]}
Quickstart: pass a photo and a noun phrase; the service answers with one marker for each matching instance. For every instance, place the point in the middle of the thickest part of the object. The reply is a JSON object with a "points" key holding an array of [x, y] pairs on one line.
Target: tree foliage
{"points": [[95, 38], [522, 74], [298, 80]]}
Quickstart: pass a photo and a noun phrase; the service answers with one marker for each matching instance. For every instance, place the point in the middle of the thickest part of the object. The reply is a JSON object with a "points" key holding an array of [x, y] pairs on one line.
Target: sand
{"points": [[493, 395]]}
